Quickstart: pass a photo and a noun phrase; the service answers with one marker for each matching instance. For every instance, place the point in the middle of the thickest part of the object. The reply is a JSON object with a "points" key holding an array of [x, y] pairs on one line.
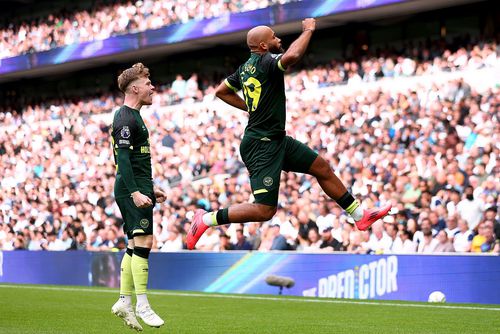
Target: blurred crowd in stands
{"points": [[412, 59], [432, 150], [107, 20]]}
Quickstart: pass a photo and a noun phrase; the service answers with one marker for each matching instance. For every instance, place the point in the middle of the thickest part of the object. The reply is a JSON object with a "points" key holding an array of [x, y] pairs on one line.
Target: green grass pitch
{"points": [[52, 309]]}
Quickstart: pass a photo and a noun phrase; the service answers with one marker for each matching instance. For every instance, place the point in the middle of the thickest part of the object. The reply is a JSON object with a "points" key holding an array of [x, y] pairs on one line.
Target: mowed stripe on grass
{"points": [[58, 309]]}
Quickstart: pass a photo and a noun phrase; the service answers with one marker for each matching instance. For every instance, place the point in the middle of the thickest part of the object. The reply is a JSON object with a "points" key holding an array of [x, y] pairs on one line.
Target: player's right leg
{"points": [[126, 313], [336, 190], [300, 158], [140, 272], [123, 307], [264, 161], [142, 233]]}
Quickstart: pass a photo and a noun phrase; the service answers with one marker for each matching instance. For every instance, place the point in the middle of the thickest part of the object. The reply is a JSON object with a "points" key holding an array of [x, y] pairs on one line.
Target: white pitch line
{"points": [[300, 300]]}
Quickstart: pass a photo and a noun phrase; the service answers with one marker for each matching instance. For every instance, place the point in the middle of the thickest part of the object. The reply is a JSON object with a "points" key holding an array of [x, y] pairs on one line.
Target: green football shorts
{"points": [[266, 159], [137, 221]]}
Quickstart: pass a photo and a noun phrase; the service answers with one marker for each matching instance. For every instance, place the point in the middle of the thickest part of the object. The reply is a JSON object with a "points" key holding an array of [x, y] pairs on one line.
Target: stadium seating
{"points": [[416, 131], [105, 21]]}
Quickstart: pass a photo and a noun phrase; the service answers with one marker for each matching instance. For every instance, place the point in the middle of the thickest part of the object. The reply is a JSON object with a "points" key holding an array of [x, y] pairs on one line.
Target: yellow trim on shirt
{"points": [[260, 191], [229, 85], [281, 66]]}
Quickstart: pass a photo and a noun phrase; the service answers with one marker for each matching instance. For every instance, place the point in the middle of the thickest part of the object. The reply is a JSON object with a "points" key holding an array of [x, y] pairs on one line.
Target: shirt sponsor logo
{"points": [[145, 149], [123, 141]]}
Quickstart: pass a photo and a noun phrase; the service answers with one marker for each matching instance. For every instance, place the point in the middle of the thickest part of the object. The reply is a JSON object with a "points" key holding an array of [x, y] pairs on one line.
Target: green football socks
{"points": [[140, 269], [126, 279]]}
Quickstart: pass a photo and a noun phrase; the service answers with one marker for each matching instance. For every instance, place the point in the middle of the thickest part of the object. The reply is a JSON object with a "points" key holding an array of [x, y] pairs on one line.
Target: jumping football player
{"points": [[265, 148]]}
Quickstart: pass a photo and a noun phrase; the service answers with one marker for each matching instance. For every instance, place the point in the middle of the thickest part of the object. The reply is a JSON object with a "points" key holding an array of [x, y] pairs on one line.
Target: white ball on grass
{"points": [[437, 297]]}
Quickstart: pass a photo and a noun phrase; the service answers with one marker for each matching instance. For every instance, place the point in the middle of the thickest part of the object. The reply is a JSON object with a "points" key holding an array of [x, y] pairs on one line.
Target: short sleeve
{"points": [[124, 131], [274, 61], [233, 81]]}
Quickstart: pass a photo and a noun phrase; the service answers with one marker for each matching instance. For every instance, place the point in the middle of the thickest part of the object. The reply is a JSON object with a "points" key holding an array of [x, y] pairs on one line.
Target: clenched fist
{"points": [[309, 24]]}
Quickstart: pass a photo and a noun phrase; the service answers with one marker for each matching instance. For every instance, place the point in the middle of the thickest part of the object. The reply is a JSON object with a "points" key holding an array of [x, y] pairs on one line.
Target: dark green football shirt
{"points": [[129, 132], [263, 84]]}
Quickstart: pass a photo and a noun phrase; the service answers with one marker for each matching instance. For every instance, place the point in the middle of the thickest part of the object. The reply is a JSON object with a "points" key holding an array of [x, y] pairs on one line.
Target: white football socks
{"points": [[210, 218], [127, 300], [357, 214], [142, 299]]}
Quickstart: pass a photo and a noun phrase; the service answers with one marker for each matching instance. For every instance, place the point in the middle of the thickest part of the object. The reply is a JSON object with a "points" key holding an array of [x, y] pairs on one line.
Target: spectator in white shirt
{"points": [[379, 242], [418, 236], [161, 235], [463, 239], [37, 242], [444, 245], [173, 242], [427, 243], [454, 199], [54, 244], [314, 241], [66, 239], [391, 229], [192, 86], [209, 240], [325, 218], [179, 86], [470, 209], [287, 229], [403, 244], [451, 226], [356, 244]]}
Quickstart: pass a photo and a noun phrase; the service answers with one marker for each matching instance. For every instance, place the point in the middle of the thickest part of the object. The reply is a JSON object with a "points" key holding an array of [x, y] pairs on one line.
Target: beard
{"points": [[276, 49]]}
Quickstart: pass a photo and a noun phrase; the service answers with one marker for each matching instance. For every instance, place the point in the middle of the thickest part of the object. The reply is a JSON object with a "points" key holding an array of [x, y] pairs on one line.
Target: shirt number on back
{"points": [[252, 89]]}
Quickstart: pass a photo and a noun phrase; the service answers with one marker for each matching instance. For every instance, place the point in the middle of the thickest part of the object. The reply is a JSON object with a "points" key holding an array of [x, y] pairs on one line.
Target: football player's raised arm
{"points": [[229, 95], [299, 46]]}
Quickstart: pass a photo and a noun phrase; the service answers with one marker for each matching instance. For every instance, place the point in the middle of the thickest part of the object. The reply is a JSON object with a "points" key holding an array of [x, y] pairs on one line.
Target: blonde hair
{"points": [[137, 71]]}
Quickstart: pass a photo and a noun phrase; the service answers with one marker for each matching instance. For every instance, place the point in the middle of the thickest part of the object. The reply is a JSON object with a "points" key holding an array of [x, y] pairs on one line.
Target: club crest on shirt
{"points": [[144, 223], [125, 132], [268, 181]]}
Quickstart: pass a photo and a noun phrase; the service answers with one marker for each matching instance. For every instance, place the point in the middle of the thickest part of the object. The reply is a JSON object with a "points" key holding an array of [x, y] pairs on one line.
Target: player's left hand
{"points": [[309, 24], [160, 195]]}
